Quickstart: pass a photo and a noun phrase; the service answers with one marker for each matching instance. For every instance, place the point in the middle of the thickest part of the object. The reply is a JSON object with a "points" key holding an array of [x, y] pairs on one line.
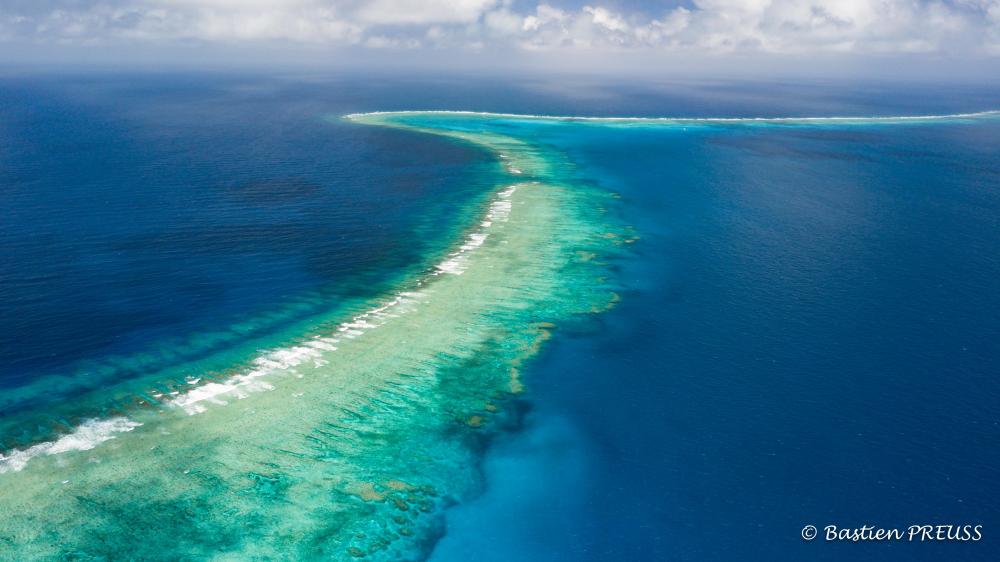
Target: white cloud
{"points": [[606, 19], [942, 27], [396, 12], [503, 22], [544, 15]]}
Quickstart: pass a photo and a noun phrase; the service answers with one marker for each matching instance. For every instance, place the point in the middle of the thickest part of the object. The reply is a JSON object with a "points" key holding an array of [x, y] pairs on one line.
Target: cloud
{"points": [[782, 27], [416, 12]]}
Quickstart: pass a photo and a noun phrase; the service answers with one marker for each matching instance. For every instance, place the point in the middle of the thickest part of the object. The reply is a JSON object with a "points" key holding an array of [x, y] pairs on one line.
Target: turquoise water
{"points": [[654, 316], [349, 440]]}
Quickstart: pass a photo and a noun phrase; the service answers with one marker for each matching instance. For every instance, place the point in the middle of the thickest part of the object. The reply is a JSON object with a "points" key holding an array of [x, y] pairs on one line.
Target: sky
{"points": [[814, 36]]}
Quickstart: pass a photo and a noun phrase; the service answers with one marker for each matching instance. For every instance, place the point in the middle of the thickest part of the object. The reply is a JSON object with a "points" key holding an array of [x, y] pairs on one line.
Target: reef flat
{"points": [[349, 442]]}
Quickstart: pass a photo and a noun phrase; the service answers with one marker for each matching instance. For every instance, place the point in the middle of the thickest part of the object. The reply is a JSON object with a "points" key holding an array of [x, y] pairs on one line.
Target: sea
{"points": [[802, 328]]}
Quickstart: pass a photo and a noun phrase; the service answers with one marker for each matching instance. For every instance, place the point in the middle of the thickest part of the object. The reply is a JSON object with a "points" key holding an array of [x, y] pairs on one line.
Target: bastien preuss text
{"points": [[912, 533]]}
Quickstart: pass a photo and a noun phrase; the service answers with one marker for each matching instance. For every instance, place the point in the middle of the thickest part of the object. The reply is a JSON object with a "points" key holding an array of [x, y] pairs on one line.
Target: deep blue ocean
{"points": [[810, 332]]}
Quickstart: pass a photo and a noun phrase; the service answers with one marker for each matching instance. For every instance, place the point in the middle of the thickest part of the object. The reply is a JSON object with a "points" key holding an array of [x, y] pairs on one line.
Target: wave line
{"points": [[685, 120]]}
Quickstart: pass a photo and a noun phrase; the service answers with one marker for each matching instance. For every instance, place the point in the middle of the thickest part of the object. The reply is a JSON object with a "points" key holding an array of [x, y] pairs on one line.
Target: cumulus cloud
{"points": [[947, 27]]}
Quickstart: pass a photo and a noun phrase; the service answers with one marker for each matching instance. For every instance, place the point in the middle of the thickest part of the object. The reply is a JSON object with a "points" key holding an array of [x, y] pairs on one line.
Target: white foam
{"points": [[452, 266], [286, 360], [499, 210], [683, 120], [273, 362], [322, 345], [475, 240], [84, 437]]}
